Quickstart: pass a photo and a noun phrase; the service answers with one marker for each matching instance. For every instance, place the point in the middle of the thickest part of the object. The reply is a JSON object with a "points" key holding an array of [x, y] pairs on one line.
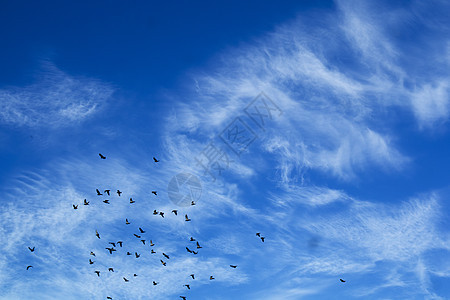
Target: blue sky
{"points": [[345, 178]]}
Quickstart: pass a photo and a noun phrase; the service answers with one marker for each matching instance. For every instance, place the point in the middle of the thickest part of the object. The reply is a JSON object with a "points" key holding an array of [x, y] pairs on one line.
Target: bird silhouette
{"points": [[136, 254], [28, 267], [126, 280], [155, 160], [86, 202], [110, 250], [155, 193], [110, 269], [132, 201], [258, 234], [262, 239], [97, 234], [155, 283], [188, 250], [92, 253], [192, 203], [113, 244], [211, 277], [192, 239], [155, 212], [106, 201], [141, 230], [128, 253], [101, 156], [183, 297], [234, 267], [161, 213], [91, 262], [120, 243], [98, 193], [135, 275], [192, 275], [175, 212], [31, 249], [126, 222], [342, 280], [75, 206], [151, 243], [163, 262], [153, 251], [166, 256], [138, 236], [109, 298], [187, 285], [195, 252], [143, 242], [198, 246], [119, 193], [107, 192], [98, 273], [187, 218]]}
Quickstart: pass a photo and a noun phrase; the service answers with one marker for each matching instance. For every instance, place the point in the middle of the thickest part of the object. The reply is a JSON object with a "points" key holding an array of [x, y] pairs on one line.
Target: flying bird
{"points": [[141, 230], [187, 285], [211, 277], [86, 202], [258, 234], [192, 275], [155, 193], [143, 242], [120, 243], [106, 201], [132, 201], [187, 218], [183, 297], [92, 253], [342, 280], [151, 243], [31, 249], [98, 273], [98, 193], [175, 212], [107, 192], [136, 254], [114, 244], [188, 250], [155, 283], [192, 239], [198, 246], [109, 298], [155, 212], [97, 234], [166, 256], [155, 159], [128, 253], [126, 222], [126, 280], [138, 236], [91, 262], [119, 192], [29, 267], [75, 206], [163, 262], [234, 267], [110, 250], [161, 213], [153, 251], [192, 203], [110, 269], [101, 156], [195, 252], [262, 239], [135, 275]]}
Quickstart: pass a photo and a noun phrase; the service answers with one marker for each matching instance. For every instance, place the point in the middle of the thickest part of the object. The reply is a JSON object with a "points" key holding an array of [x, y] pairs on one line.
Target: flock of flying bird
{"points": [[112, 245]]}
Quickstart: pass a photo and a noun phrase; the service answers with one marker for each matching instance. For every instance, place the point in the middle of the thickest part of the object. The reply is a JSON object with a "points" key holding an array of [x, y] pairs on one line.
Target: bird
{"points": [[153, 251], [136, 254], [192, 275], [75, 206], [262, 239], [126, 222], [183, 297], [187, 285], [192, 239], [86, 202], [109, 298], [98, 273], [195, 252], [187, 218], [110, 250], [198, 246], [155, 193], [138, 236], [342, 280], [165, 255], [119, 192], [91, 262], [161, 213], [128, 253], [155, 283], [234, 267], [98, 193], [211, 277], [28, 267], [126, 280], [110, 269], [107, 192], [151, 243], [141, 230], [155, 212], [155, 159], [102, 156], [143, 242], [92, 253], [106, 201], [188, 250], [163, 262], [120, 243], [31, 249], [192, 203], [258, 234], [97, 234], [114, 244], [175, 212], [135, 275], [132, 201]]}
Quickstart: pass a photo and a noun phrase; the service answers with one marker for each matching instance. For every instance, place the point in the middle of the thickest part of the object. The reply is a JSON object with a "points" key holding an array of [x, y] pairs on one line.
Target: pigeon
{"points": [[136, 254], [151, 243], [192, 203], [92, 253], [153, 251], [155, 212], [161, 213], [198, 246], [110, 269], [234, 267], [192, 239], [155, 193], [138, 236], [28, 267], [101, 156], [187, 218], [187, 285], [98, 193], [86, 202], [107, 192], [211, 277], [106, 201], [141, 230], [119, 193], [258, 234], [155, 160], [31, 249], [98, 273], [114, 244], [163, 262], [132, 201], [188, 250], [166, 256], [75, 206], [120, 243], [97, 234], [126, 280], [143, 242], [192, 275], [110, 250], [175, 212], [342, 280], [155, 283], [126, 222], [91, 262]]}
